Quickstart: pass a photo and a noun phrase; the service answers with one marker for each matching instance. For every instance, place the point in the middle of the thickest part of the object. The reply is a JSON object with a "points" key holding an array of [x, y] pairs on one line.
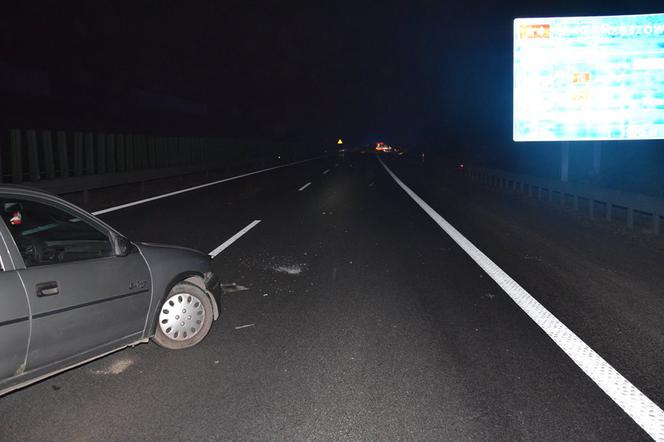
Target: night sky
{"points": [[403, 71]]}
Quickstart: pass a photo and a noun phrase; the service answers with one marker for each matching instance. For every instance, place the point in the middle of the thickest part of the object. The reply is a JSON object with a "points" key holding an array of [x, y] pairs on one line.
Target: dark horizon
{"points": [[405, 73]]}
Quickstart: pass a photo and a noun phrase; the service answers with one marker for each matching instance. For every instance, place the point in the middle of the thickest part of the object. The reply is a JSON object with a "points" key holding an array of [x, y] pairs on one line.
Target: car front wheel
{"points": [[184, 318]]}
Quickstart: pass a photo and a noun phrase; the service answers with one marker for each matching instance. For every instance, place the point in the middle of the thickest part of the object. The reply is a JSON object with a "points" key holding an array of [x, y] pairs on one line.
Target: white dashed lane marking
{"points": [[201, 186], [304, 187], [638, 406], [233, 238]]}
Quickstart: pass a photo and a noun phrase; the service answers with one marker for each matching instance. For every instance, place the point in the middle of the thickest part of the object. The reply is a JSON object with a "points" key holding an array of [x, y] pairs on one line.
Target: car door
{"points": [[14, 316], [83, 298]]}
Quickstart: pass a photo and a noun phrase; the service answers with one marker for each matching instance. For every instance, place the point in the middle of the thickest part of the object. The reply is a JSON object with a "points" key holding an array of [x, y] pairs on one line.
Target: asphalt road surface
{"points": [[351, 315]]}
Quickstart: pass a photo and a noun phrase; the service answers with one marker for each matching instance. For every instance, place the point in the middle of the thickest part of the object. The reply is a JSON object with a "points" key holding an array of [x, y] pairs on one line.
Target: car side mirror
{"points": [[121, 245]]}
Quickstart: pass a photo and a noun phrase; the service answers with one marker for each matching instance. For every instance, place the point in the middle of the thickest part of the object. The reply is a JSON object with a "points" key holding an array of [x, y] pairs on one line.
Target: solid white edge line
{"points": [[304, 187], [200, 186], [233, 238], [638, 406]]}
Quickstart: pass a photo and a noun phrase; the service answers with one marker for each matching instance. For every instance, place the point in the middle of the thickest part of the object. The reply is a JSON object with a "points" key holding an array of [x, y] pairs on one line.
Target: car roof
{"points": [[20, 190]]}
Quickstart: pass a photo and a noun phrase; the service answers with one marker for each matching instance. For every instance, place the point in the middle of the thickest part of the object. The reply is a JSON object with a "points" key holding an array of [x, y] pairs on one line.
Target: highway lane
{"points": [[361, 319], [603, 282]]}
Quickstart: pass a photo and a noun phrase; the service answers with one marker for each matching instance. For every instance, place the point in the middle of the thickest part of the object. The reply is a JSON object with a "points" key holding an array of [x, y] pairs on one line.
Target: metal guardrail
{"points": [[64, 162], [591, 200]]}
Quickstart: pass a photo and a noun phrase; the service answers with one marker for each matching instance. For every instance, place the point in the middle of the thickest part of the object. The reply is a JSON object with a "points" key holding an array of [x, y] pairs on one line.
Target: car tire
{"points": [[184, 317]]}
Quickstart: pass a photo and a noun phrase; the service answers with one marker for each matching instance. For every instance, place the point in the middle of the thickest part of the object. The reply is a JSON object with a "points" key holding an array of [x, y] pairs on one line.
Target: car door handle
{"points": [[47, 288]]}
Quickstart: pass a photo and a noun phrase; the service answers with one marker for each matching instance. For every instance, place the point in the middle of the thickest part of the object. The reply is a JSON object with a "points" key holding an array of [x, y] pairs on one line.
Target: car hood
{"points": [[170, 247]]}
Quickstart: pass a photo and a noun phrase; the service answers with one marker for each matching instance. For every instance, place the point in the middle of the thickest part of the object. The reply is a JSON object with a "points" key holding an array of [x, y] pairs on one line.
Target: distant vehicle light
{"points": [[382, 147]]}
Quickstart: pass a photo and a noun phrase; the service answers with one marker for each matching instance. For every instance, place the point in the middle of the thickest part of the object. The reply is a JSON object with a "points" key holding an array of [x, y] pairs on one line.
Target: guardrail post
{"points": [[195, 151], [78, 153], [159, 151], [122, 157], [173, 151], [141, 151], [63, 158], [17, 159], [630, 217], [591, 208], [656, 223], [110, 151], [89, 153], [169, 151], [152, 153], [191, 151], [129, 147], [206, 156], [576, 202], [199, 151], [186, 159], [136, 161], [609, 209], [101, 153], [33, 155], [165, 151], [181, 148], [47, 154]]}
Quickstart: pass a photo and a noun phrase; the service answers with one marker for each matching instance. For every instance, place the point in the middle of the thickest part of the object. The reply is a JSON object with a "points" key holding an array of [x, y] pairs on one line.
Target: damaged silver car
{"points": [[73, 289]]}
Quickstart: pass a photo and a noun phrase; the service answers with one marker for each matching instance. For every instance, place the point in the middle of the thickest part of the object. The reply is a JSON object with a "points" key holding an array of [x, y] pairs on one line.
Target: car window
{"points": [[46, 234]]}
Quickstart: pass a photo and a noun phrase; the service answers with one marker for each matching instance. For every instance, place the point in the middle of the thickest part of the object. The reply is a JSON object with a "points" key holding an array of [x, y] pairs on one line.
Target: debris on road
{"points": [[293, 269], [244, 326], [116, 367], [233, 287]]}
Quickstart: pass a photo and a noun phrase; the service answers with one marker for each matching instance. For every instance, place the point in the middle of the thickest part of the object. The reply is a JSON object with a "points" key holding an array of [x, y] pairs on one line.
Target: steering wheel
{"points": [[35, 251]]}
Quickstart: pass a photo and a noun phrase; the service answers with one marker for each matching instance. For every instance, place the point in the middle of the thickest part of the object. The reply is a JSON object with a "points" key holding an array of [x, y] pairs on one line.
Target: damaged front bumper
{"points": [[213, 285]]}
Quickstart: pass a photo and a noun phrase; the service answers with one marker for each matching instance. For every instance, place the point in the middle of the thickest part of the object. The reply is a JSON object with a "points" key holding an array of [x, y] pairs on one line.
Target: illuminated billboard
{"points": [[589, 78]]}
